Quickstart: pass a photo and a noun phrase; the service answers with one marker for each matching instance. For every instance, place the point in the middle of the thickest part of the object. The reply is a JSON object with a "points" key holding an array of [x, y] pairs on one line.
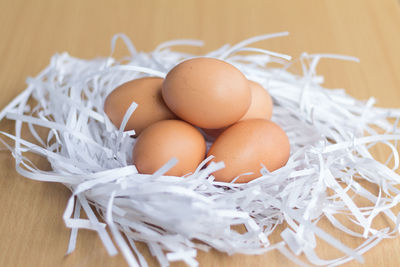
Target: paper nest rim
{"points": [[330, 134]]}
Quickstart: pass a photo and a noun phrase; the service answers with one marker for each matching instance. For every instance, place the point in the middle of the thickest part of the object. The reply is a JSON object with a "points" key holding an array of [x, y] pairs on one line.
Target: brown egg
{"points": [[207, 92], [246, 145], [166, 139], [260, 107], [214, 133], [261, 103], [146, 92]]}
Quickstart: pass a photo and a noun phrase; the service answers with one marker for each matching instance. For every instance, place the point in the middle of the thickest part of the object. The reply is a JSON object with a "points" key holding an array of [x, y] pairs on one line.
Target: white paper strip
{"points": [[331, 164]]}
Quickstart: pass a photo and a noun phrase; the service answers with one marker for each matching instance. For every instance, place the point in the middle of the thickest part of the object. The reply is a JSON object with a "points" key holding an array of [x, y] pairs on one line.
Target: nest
{"points": [[331, 135]]}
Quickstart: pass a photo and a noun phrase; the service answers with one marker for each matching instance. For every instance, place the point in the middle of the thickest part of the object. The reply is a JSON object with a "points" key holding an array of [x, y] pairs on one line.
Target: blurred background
{"points": [[32, 31]]}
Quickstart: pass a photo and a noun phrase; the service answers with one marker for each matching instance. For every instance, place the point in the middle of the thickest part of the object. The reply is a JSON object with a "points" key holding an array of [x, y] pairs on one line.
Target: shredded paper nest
{"points": [[331, 136]]}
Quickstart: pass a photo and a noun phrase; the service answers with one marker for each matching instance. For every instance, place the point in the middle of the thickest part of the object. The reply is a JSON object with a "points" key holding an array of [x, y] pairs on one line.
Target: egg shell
{"points": [[260, 107], [246, 145], [146, 92], [207, 92], [167, 139], [261, 103]]}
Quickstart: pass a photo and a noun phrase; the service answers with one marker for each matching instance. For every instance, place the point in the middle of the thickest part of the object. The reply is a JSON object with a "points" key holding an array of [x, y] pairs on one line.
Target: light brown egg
{"points": [[166, 139], [261, 103], [246, 145], [146, 92], [207, 92], [260, 107]]}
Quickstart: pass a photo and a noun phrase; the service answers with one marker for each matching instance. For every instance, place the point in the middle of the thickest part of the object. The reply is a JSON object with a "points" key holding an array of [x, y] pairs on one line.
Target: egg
{"points": [[246, 145], [167, 139], [260, 107], [207, 92], [261, 103], [146, 92]]}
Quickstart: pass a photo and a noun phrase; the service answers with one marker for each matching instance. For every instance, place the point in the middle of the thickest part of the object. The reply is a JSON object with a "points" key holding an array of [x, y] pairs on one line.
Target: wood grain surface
{"points": [[32, 232]]}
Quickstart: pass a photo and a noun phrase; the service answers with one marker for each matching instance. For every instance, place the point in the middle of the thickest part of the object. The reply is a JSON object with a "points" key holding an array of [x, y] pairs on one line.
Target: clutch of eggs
{"points": [[201, 95]]}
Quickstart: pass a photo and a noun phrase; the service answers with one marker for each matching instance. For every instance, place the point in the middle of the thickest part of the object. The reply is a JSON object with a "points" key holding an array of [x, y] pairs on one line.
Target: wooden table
{"points": [[32, 232]]}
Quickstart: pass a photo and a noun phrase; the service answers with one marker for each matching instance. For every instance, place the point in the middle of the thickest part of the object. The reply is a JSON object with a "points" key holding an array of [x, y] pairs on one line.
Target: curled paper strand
{"points": [[331, 135]]}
